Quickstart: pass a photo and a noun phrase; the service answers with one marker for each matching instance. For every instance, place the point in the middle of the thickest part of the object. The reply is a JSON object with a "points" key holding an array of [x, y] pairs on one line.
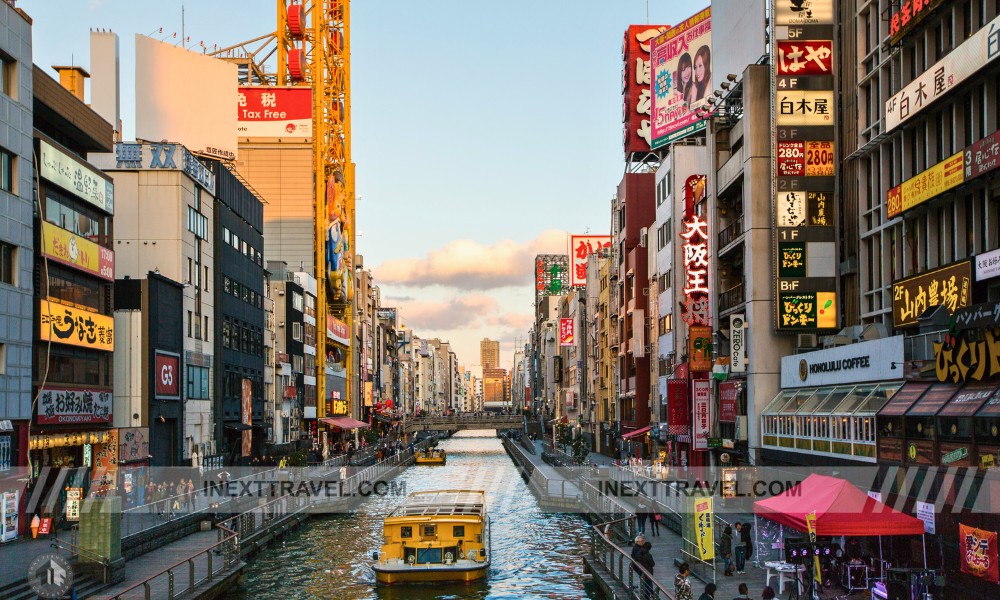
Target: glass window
{"points": [[297, 301], [297, 331], [8, 263], [69, 287], [236, 241], [7, 176], [84, 222], [225, 235], [815, 400], [225, 334], [8, 76], [197, 383], [73, 366]]}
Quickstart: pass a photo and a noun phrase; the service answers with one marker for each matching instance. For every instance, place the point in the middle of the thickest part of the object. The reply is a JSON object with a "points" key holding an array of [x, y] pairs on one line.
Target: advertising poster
{"points": [[704, 530], [701, 392], [681, 62], [246, 412], [567, 335], [274, 112], [978, 552], [339, 253]]}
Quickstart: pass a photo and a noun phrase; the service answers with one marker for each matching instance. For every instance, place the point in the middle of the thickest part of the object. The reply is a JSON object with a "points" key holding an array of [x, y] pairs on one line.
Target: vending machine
{"points": [[8, 516]]}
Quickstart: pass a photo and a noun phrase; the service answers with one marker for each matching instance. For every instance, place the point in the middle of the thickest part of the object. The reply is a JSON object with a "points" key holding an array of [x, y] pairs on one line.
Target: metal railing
{"points": [[639, 582], [732, 297], [183, 577], [730, 232]]}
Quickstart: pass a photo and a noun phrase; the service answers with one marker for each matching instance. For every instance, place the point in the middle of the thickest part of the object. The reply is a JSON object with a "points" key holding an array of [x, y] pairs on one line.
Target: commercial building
{"points": [[489, 353], [16, 248], [297, 400]]}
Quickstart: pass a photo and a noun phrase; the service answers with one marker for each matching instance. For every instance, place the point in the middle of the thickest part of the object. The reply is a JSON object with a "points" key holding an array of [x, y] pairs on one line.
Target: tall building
{"points": [[489, 353], [290, 299]]}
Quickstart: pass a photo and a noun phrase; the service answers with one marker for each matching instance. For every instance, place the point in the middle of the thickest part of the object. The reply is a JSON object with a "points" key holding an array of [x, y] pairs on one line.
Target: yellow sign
{"points": [[75, 251], [987, 461], [368, 393], [76, 326], [801, 107], [704, 531], [950, 286], [926, 185], [811, 525]]}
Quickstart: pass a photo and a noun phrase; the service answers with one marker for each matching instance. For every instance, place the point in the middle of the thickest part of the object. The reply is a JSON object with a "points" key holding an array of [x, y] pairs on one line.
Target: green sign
{"points": [[955, 455], [791, 259], [714, 442]]}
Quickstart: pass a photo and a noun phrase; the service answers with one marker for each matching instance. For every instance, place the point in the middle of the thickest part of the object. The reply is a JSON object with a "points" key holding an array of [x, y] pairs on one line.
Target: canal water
{"points": [[536, 554]]}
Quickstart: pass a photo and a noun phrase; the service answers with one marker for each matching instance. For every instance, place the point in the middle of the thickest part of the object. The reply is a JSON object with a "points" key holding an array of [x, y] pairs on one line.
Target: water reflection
{"points": [[535, 554]]}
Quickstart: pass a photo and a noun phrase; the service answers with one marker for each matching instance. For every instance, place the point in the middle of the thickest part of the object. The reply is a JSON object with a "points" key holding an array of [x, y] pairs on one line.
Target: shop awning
{"points": [[345, 423], [840, 507], [969, 400], [932, 400], [634, 434], [904, 399], [991, 408]]}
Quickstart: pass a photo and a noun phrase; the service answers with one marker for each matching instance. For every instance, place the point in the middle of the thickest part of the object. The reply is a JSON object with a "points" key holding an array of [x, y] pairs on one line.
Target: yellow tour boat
{"points": [[430, 456], [435, 536]]}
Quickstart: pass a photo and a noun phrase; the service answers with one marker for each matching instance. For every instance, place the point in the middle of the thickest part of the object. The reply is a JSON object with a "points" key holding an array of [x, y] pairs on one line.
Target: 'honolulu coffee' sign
{"points": [[858, 362], [853, 363]]}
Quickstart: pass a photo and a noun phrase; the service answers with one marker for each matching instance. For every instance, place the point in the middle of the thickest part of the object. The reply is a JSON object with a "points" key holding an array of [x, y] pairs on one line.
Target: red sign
{"points": [[805, 57], [636, 101], [978, 550], [274, 112], [567, 330], [677, 403], [729, 393], [701, 393], [246, 414], [581, 247], [695, 192], [696, 304], [910, 13], [791, 159], [982, 156], [168, 375], [45, 526], [337, 330], [805, 159]]}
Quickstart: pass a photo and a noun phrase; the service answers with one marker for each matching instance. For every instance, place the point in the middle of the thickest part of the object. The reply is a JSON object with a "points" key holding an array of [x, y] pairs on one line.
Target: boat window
{"points": [[409, 555], [458, 531], [429, 555], [406, 531], [428, 531]]}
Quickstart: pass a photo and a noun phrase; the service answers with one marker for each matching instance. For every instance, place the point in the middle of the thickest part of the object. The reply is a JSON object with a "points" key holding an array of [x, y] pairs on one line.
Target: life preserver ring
{"points": [[448, 557]]}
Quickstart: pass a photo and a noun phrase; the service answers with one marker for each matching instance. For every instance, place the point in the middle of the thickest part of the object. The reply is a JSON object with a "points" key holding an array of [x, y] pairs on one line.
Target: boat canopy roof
{"points": [[443, 502]]}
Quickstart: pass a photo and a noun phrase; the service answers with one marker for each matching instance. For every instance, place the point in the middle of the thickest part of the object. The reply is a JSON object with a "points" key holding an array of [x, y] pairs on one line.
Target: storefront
{"points": [[826, 411]]}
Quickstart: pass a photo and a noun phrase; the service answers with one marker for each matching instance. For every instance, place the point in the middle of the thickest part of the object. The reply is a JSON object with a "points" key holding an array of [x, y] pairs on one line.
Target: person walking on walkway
{"points": [[744, 593], [645, 559], [741, 549], [709, 593], [747, 540], [726, 550], [654, 521], [682, 583], [641, 515]]}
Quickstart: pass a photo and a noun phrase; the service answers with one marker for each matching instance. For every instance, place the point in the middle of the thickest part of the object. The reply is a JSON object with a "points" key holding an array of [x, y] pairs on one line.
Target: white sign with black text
{"points": [[737, 344], [875, 360], [987, 265]]}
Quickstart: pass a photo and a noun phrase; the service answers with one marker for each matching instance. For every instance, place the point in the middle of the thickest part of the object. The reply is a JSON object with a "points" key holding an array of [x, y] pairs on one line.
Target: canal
{"points": [[536, 554]]}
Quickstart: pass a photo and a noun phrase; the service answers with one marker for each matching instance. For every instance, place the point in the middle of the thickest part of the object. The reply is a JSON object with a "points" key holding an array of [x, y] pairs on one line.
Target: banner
{"points": [[729, 394], [168, 375], [701, 393], [978, 552], [677, 406], [78, 252], [811, 526], [704, 530], [274, 112], [567, 332], [700, 347], [246, 412], [75, 326], [681, 63]]}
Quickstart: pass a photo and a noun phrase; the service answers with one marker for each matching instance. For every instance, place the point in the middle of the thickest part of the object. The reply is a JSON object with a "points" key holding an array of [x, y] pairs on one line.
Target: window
{"points": [[458, 531], [666, 324], [206, 328], [7, 177], [297, 301], [84, 222], [205, 282], [226, 235], [197, 383], [74, 366], [227, 285], [245, 251], [406, 531], [8, 263], [190, 318], [225, 334], [8, 76], [197, 223], [75, 289], [236, 242], [297, 364], [297, 332]]}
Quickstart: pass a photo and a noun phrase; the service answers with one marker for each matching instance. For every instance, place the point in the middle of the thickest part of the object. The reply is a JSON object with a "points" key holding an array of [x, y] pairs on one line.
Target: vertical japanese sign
{"points": [[580, 249], [681, 60], [811, 526], [805, 157], [636, 104], [701, 393], [737, 344], [978, 552], [567, 335], [704, 531], [551, 275], [677, 407], [729, 394], [246, 414]]}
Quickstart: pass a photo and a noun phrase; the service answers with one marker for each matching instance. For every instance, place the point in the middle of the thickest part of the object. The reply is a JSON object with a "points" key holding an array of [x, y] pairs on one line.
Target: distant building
{"points": [[489, 353]]}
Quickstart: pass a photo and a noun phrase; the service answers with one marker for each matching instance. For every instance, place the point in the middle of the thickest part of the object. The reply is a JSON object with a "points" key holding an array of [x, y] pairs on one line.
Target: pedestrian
{"points": [[726, 550], [641, 559], [747, 540], [682, 583], [646, 560], [191, 493], [709, 593], [181, 492], [741, 549], [641, 515], [654, 521], [744, 593], [767, 594]]}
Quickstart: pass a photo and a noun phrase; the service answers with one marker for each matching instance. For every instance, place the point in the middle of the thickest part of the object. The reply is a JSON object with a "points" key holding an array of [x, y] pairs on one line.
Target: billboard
{"points": [[908, 14], [567, 332], [246, 416], [551, 275], [76, 176], [681, 60], [274, 112], [580, 248], [167, 372], [949, 286], [636, 107], [947, 174], [957, 66], [805, 165], [697, 309], [65, 406], [77, 252], [339, 254], [185, 97], [75, 326]]}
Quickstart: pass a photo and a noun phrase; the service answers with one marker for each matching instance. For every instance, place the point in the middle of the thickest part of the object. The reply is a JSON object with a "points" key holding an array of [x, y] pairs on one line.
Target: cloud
{"points": [[516, 321], [470, 265], [458, 313]]}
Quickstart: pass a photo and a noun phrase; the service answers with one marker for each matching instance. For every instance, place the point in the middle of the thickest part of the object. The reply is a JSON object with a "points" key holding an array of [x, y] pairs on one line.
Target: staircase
{"points": [[84, 585]]}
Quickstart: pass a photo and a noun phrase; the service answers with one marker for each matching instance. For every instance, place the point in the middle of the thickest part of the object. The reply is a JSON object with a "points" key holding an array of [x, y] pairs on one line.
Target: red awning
{"points": [[345, 423], [635, 433], [840, 507]]}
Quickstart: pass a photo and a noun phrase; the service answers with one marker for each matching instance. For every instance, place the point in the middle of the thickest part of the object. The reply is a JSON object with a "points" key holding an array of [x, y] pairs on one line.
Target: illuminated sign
{"points": [[567, 336], [62, 406], [696, 302], [76, 326], [78, 252], [681, 59], [920, 188], [701, 393], [908, 15], [804, 54], [949, 286], [957, 66], [637, 105], [580, 248], [700, 347], [246, 416], [551, 275], [76, 177], [737, 344], [274, 112]]}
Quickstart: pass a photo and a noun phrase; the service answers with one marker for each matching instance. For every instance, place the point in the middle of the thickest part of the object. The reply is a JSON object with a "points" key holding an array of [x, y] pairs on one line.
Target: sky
{"points": [[483, 133]]}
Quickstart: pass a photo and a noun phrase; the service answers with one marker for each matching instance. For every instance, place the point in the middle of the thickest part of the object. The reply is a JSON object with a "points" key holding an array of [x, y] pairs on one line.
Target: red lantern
{"points": [[297, 64], [296, 21]]}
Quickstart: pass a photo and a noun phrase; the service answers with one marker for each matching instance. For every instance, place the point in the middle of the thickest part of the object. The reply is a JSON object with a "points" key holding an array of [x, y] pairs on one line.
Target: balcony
{"points": [[732, 298], [731, 232]]}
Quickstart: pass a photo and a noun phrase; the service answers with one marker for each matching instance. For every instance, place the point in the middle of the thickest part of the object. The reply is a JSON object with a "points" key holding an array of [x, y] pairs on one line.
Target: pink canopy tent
{"points": [[840, 507]]}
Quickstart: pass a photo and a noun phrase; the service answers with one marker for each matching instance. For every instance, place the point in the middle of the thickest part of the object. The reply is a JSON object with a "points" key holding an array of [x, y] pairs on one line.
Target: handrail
{"points": [[649, 587], [57, 543], [228, 561]]}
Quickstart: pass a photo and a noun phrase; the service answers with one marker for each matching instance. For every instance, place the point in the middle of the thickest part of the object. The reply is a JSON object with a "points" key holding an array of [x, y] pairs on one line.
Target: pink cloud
{"points": [[470, 265], [459, 312]]}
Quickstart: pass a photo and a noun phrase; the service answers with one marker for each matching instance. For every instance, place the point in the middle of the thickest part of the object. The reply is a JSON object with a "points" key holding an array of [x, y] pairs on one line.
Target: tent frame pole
{"points": [[923, 542]]}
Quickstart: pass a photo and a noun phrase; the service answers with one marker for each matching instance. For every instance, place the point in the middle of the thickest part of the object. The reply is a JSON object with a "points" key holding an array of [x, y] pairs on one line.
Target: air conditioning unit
{"points": [[807, 340], [281, 292], [643, 236]]}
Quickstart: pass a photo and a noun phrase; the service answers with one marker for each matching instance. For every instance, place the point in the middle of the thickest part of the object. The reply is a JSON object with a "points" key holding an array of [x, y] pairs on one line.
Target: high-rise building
{"points": [[489, 353]]}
